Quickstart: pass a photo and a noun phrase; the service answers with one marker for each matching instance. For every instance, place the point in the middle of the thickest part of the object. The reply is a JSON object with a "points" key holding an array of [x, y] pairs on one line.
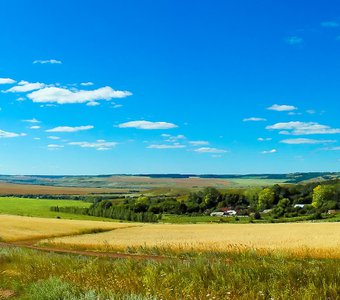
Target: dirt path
{"points": [[27, 245]]}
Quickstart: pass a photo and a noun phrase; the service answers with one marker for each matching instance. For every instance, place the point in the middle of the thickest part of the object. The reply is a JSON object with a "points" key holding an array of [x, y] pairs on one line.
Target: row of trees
{"points": [[279, 198]]}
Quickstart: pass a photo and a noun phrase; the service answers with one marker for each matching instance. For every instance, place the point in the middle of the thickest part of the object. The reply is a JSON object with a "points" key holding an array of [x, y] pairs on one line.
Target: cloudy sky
{"points": [[98, 87]]}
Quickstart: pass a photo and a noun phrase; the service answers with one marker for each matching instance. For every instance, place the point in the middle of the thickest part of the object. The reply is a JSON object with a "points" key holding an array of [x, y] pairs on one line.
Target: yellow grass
{"points": [[14, 228], [321, 238]]}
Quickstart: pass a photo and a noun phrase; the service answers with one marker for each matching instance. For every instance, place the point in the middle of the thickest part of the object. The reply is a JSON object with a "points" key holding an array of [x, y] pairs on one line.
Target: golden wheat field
{"points": [[14, 228], [322, 237]]}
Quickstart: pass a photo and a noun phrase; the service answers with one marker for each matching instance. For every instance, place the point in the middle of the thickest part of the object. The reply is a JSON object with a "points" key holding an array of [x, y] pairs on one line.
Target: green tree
{"points": [[266, 199], [323, 194]]}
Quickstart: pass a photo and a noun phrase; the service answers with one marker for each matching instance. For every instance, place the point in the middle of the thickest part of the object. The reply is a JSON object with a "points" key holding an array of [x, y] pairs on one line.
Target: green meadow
{"points": [[41, 208]]}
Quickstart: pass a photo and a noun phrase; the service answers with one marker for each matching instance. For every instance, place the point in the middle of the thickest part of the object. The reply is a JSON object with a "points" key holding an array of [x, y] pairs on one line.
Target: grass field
{"points": [[33, 275], [321, 238], [41, 208]]}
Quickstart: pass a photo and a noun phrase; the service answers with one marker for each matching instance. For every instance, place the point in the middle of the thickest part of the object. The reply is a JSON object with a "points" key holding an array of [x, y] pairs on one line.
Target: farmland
{"points": [[320, 238], [15, 228], [198, 261], [74, 249]]}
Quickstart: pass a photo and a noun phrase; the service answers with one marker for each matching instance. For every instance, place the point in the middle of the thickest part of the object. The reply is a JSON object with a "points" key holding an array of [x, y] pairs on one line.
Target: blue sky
{"points": [[98, 87]]}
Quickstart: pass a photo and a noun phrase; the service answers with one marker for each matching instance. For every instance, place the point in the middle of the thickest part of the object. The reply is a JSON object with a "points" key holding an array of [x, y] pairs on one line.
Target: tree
{"points": [[266, 199], [252, 196], [322, 194]]}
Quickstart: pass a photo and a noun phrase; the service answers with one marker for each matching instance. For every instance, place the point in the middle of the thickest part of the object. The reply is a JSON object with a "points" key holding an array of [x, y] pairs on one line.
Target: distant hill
{"points": [[147, 181]]}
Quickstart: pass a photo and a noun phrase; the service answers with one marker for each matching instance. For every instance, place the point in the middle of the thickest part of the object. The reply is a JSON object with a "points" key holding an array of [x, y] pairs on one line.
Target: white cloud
{"points": [[7, 81], [6, 134], [311, 111], [269, 151], [92, 103], [306, 141], [264, 139], [98, 145], [25, 86], [173, 138], [303, 128], [35, 127], [87, 83], [330, 24], [70, 129], [66, 96], [48, 61], [254, 119], [210, 150], [331, 149], [165, 146], [34, 120], [284, 107], [54, 146], [294, 40], [147, 125], [199, 143], [52, 137]]}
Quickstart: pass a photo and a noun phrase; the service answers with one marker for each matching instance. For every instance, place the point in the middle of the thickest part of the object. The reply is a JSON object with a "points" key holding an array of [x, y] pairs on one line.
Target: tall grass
{"points": [[232, 275]]}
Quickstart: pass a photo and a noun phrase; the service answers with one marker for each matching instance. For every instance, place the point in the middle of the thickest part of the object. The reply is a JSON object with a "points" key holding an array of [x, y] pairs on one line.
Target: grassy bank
{"points": [[233, 275]]}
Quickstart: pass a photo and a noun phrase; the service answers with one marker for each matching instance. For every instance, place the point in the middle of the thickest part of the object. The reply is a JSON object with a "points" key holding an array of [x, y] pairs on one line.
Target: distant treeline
{"points": [[105, 209], [287, 200]]}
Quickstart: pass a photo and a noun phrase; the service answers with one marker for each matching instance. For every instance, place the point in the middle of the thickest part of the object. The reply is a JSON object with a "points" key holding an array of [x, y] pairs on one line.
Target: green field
{"points": [[41, 208]]}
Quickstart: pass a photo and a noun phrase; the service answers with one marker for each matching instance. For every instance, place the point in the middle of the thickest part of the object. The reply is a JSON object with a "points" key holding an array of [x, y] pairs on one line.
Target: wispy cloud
{"points": [[7, 134], [269, 151], [70, 129], [48, 61], [25, 86], [35, 127], [264, 139], [52, 137], [210, 150], [294, 40], [303, 128], [330, 24], [98, 145], [34, 120], [331, 149], [301, 141], [54, 146], [166, 146], [254, 119], [283, 107], [89, 83], [199, 143], [147, 125], [7, 81], [66, 96], [173, 138]]}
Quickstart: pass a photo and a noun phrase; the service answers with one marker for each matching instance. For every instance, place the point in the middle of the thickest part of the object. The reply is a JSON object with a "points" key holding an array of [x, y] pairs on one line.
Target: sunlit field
{"points": [[322, 238], [15, 228]]}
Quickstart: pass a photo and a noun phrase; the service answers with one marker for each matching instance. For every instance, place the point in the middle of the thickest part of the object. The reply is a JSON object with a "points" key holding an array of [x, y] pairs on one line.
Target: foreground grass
{"points": [[233, 275], [41, 208]]}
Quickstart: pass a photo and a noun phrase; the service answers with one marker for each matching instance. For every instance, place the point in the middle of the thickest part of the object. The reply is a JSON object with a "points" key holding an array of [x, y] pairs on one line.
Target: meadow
{"points": [[41, 208]]}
